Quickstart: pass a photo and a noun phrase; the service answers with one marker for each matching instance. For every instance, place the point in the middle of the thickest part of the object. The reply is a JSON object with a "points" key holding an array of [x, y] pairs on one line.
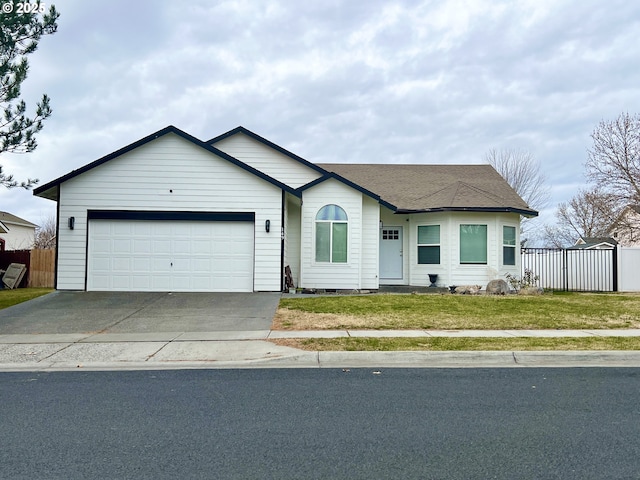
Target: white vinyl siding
{"points": [[261, 157], [369, 261], [315, 274], [168, 174]]}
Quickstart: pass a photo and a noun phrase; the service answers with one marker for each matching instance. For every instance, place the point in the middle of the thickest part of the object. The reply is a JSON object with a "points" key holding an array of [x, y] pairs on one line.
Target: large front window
{"points": [[331, 234], [473, 244]]}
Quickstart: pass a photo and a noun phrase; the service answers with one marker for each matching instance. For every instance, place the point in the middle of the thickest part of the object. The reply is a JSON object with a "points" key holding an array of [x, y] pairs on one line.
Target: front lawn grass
{"points": [[19, 295], [455, 312], [461, 344]]}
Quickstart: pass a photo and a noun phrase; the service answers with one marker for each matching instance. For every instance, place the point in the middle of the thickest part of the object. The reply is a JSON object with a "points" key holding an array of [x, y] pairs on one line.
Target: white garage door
{"points": [[170, 256]]}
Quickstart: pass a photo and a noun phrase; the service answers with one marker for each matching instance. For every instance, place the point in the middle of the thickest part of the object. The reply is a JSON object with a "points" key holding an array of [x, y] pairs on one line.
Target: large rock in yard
{"points": [[468, 289], [497, 287]]}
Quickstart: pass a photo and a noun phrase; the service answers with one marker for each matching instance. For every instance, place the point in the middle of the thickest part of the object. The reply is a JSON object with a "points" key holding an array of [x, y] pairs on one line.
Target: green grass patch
{"points": [[453, 312], [463, 344], [19, 295]]}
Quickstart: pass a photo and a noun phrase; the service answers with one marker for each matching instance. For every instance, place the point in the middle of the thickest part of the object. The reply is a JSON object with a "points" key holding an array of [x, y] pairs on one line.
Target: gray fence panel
{"points": [[579, 270]]}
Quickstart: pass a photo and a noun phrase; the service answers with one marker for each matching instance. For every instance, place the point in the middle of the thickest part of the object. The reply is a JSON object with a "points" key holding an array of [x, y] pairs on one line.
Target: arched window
{"points": [[331, 234]]}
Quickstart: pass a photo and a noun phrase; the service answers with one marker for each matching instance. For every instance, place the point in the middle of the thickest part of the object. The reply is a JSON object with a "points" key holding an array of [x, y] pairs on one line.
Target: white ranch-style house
{"points": [[173, 213]]}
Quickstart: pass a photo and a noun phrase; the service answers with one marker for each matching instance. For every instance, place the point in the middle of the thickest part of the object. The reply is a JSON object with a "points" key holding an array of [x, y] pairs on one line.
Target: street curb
{"points": [[312, 360]]}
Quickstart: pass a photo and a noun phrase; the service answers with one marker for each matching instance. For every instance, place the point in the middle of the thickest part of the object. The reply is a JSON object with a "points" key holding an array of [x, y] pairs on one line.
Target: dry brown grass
{"points": [[454, 312], [461, 344], [286, 319]]}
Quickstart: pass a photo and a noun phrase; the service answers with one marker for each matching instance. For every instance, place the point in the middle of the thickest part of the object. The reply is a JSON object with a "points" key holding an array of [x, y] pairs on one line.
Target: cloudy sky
{"points": [[399, 81]]}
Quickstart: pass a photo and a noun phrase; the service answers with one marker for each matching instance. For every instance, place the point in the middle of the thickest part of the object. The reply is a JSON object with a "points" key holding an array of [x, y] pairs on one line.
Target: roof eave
{"points": [[519, 211], [349, 183]]}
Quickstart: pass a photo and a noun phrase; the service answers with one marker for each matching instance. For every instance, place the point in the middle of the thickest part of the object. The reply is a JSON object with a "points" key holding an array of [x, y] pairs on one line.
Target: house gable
{"points": [[51, 190], [267, 157]]}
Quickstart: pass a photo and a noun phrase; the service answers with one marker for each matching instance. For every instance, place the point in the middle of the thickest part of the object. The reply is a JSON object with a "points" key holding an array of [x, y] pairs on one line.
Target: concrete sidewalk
{"points": [[252, 349]]}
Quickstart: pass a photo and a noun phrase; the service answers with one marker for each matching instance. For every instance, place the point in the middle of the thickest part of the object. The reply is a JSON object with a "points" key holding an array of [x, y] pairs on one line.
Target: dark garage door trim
{"points": [[169, 215]]}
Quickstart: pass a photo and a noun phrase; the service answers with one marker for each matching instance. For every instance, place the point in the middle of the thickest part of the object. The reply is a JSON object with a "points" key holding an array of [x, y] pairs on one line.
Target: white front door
{"points": [[391, 253]]}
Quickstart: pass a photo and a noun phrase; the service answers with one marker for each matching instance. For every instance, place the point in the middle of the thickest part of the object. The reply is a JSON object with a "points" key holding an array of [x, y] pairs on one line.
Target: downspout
{"points": [[282, 205], [55, 268]]}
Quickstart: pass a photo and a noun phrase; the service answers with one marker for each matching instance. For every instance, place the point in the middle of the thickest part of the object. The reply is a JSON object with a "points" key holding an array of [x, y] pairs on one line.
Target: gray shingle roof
{"points": [[9, 218], [435, 187]]}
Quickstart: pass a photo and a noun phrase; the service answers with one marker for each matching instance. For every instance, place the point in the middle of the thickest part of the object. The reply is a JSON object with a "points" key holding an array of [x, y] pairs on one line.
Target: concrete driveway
{"points": [[135, 312]]}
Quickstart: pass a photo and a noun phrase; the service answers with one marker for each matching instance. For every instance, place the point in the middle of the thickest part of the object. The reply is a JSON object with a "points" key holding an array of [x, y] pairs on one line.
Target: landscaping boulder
{"points": [[497, 287], [468, 289]]}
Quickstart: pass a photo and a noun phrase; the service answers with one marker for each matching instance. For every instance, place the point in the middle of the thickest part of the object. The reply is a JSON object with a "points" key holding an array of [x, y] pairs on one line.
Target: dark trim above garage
{"points": [[171, 215]]}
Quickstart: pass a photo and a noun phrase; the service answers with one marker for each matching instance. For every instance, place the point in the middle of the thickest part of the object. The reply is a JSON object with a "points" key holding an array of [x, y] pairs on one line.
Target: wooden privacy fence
{"points": [[43, 264], [40, 266]]}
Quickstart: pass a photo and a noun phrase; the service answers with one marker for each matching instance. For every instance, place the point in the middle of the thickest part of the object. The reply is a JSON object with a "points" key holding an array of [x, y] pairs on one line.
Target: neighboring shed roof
{"points": [[428, 188], [588, 243], [6, 217]]}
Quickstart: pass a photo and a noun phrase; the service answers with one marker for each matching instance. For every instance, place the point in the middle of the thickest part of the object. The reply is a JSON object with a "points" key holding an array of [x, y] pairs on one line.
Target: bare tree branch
{"points": [[46, 233], [523, 172], [590, 213], [613, 163]]}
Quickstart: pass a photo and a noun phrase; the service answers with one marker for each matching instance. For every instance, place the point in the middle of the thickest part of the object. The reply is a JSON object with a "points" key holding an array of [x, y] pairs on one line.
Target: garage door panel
{"points": [[170, 255], [140, 282], [141, 246], [141, 264], [161, 246], [122, 264], [122, 228]]}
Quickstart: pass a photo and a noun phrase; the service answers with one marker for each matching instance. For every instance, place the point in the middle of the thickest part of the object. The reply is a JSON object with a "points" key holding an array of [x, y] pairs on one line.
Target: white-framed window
{"points": [[429, 244], [473, 244], [508, 245], [332, 230]]}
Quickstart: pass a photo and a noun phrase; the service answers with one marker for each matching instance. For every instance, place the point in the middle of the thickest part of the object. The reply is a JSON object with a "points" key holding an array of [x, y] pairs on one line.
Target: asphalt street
{"points": [[580, 423]]}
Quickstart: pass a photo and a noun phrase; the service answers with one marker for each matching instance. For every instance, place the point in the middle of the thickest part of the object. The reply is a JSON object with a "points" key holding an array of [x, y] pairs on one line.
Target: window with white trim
{"points": [[429, 244], [473, 244], [508, 245], [331, 234]]}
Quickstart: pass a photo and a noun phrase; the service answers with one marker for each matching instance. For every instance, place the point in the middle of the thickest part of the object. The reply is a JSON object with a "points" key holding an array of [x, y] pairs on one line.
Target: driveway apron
{"points": [[140, 312]]}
